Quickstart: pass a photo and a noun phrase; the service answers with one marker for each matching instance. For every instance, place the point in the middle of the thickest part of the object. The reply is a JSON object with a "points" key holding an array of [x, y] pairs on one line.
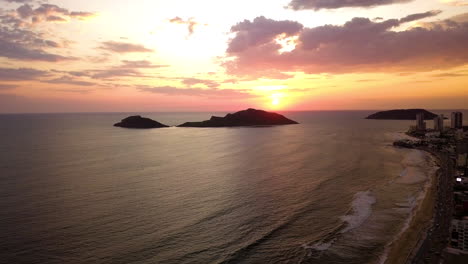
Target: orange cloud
{"points": [[123, 47]]}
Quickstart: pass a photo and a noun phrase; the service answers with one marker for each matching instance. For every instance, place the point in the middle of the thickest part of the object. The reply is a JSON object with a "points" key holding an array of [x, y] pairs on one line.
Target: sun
{"points": [[276, 99]]}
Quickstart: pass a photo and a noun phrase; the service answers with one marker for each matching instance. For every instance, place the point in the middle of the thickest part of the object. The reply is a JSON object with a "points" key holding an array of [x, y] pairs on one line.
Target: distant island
{"points": [[402, 114], [249, 117], [139, 122]]}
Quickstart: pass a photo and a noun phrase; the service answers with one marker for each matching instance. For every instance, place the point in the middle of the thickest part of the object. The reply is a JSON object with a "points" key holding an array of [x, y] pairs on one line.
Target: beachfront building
{"points": [[462, 154], [459, 237], [459, 134], [420, 124], [439, 123], [462, 160], [457, 120]]}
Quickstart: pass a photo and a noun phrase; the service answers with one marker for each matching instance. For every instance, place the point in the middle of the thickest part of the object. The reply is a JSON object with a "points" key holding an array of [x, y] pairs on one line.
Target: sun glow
{"points": [[288, 44], [276, 99]]}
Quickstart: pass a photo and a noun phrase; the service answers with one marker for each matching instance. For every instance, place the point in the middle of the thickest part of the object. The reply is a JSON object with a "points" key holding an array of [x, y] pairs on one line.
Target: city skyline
{"points": [[113, 56]]}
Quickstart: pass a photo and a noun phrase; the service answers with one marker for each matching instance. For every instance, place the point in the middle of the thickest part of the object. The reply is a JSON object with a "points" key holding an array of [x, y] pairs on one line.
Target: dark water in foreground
{"points": [[74, 189]]}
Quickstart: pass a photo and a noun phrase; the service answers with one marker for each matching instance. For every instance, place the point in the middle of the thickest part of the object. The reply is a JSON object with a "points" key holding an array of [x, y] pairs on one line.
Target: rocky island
{"points": [[139, 122], [402, 114], [249, 117]]}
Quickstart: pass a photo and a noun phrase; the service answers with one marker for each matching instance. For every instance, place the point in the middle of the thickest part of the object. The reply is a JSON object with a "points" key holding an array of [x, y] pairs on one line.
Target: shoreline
{"points": [[425, 238], [400, 249]]}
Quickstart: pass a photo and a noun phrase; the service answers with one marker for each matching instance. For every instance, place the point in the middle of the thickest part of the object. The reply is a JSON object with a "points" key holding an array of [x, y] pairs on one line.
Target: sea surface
{"points": [[75, 189]]}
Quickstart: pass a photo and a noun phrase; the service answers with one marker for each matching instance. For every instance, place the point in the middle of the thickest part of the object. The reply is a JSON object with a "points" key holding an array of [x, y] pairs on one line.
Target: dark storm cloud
{"points": [[123, 47], [359, 45], [333, 4]]}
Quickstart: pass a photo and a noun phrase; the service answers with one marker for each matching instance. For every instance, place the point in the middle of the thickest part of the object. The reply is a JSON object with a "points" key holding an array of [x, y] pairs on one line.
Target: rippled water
{"points": [[75, 189]]}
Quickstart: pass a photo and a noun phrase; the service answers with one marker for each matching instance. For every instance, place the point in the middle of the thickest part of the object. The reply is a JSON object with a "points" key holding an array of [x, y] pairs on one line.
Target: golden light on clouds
{"points": [[181, 54], [455, 2], [287, 43]]}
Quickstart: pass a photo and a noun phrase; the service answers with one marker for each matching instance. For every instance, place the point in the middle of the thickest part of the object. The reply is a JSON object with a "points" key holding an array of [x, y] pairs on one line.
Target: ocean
{"points": [[333, 189]]}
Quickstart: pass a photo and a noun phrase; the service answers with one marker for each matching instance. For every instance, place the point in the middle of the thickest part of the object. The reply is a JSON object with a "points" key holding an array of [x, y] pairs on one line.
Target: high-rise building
{"points": [[457, 120], [459, 231], [420, 124], [439, 123]]}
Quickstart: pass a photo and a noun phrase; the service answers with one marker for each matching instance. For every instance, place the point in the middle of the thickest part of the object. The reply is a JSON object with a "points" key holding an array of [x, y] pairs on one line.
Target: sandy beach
{"points": [[401, 249], [425, 237]]}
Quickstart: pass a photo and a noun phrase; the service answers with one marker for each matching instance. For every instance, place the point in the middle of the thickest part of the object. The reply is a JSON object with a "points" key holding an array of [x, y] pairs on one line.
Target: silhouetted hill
{"points": [[139, 122], [249, 117], [402, 114]]}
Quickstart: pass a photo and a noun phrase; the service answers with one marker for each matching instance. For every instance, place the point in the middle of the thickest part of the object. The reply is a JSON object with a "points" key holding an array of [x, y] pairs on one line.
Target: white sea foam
{"points": [[361, 210], [399, 136], [415, 171], [412, 175], [414, 158], [412, 203], [319, 246]]}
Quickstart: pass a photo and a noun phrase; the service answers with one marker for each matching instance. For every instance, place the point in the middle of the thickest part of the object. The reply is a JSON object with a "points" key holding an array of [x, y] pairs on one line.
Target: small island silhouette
{"points": [[139, 122], [402, 114]]}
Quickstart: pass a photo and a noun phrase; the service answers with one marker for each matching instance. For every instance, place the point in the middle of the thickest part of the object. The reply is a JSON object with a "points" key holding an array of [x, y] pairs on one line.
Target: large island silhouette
{"points": [[402, 114], [249, 117]]}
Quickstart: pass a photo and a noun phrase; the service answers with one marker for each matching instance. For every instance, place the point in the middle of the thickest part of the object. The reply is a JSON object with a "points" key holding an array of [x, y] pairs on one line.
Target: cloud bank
{"points": [[334, 4], [360, 45], [21, 40], [20, 74]]}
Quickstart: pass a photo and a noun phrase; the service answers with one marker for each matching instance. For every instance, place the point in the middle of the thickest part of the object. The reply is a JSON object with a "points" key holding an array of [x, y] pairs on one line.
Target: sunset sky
{"points": [[207, 55]]}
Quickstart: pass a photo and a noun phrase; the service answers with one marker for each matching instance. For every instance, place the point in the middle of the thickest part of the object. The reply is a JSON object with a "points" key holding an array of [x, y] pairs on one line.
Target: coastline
{"points": [[426, 236], [401, 249]]}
